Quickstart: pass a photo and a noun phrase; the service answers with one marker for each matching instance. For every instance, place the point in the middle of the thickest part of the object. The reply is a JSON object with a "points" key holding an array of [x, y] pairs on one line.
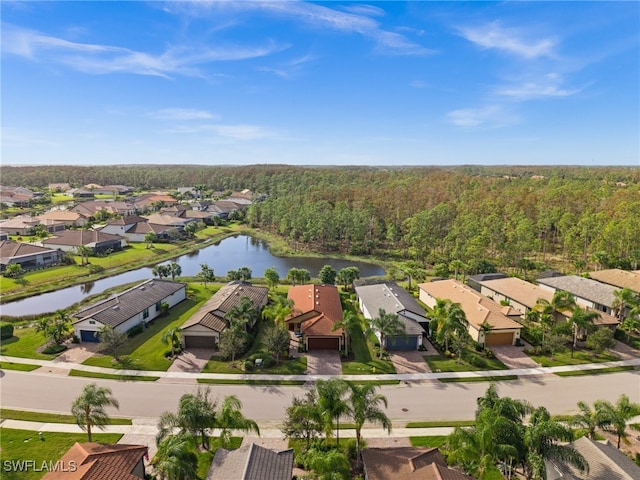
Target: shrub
{"points": [[6, 331], [422, 348], [267, 359], [477, 361], [133, 331], [248, 365], [75, 339], [53, 349]]}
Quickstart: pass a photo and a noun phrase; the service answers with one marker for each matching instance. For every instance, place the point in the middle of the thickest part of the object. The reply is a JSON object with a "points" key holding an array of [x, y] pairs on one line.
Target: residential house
{"points": [[245, 197], [4, 235], [251, 462], [618, 278], [407, 463], [168, 220], [140, 304], [20, 225], [27, 255], [187, 212], [119, 189], [92, 461], [392, 298], [521, 295], [96, 241], [204, 328], [66, 217], [316, 310], [58, 187], [474, 280], [587, 292], [605, 463], [222, 208], [81, 193], [93, 208], [152, 201], [135, 228], [479, 310], [11, 199]]}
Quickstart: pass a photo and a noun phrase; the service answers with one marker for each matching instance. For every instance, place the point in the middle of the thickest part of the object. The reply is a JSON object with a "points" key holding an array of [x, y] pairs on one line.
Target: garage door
{"points": [[401, 343], [324, 344], [89, 336], [499, 339], [192, 341]]}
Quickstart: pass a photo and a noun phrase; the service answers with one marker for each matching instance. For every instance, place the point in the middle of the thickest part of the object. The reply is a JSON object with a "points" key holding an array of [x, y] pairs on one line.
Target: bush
{"points": [[53, 349], [133, 331], [6, 331], [267, 359], [248, 365], [422, 348], [477, 361], [75, 339]]}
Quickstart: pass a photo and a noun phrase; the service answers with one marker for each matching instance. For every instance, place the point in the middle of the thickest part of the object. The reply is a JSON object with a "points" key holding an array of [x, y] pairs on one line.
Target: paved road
{"points": [[266, 404]]}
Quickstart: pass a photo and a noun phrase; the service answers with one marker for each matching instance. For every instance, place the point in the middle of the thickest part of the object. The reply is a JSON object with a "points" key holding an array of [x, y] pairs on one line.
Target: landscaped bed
{"points": [[25, 343]]}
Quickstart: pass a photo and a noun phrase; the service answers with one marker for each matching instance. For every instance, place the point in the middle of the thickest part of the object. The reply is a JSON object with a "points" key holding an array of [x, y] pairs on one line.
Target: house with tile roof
{"points": [[518, 293], [67, 217], [605, 463], [97, 241], [408, 463], [135, 228], [316, 310], [203, 328], [392, 298], [587, 292], [20, 225], [98, 461], [140, 304], [505, 330], [92, 208], [27, 255], [251, 462], [618, 278]]}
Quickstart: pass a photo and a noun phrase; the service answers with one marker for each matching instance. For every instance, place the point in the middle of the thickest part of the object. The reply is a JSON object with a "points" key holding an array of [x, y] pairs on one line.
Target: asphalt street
{"points": [[407, 401]]}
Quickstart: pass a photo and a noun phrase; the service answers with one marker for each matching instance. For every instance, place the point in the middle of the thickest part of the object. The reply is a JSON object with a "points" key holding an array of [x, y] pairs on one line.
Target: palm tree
{"points": [[89, 407], [541, 437], [279, 310], [450, 321], [328, 465], [351, 325], [171, 337], [386, 325], [175, 270], [239, 316], [619, 415], [485, 329], [175, 458], [364, 406], [230, 418], [331, 404], [590, 419], [581, 320], [561, 302], [622, 299]]}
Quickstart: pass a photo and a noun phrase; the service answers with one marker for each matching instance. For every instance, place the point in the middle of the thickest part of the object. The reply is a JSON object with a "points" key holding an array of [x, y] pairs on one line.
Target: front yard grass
{"points": [[440, 363], [25, 445], [22, 367], [580, 357], [502, 378], [10, 414], [24, 343], [146, 349], [429, 441], [597, 371], [112, 376]]}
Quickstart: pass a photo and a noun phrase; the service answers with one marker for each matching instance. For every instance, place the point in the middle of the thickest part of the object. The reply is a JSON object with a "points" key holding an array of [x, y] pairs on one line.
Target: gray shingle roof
{"points": [[251, 462], [582, 287], [118, 308], [10, 249], [388, 296]]}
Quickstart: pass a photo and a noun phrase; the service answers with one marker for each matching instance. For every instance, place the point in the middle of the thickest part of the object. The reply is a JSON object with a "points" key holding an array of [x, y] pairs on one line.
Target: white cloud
{"points": [[547, 86], [243, 132], [489, 116], [181, 114], [104, 59], [511, 40]]}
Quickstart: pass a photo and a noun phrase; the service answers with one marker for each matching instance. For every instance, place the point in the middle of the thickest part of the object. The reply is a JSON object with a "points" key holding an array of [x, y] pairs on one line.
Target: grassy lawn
{"points": [[430, 441], [440, 363], [503, 378], [146, 349], [26, 445], [598, 371], [23, 367], [10, 414], [111, 376], [233, 381], [205, 458], [441, 423], [364, 360], [24, 343], [579, 357]]}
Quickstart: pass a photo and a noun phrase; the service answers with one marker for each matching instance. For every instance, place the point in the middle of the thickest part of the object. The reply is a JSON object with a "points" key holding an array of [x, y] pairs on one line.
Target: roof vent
{"points": [[142, 288], [115, 307]]}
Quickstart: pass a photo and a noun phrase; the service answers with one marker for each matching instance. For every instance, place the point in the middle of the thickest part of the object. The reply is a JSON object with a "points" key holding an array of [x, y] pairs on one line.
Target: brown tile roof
{"points": [[62, 215], [251, 462], [10, 249], [408, 463], [96, 461], [80, 237], [212, 313], [318, 307], [618, 278], [477, 307], [518, 290], [119, 308]]}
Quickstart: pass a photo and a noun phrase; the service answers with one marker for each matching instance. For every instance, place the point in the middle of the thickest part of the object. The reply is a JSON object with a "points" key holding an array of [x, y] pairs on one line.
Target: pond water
{"points": [[229, 254]]}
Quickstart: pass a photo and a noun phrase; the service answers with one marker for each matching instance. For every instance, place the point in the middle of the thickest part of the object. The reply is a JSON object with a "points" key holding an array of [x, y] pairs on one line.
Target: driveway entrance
{"points": [[192, 360], [323, 362]]}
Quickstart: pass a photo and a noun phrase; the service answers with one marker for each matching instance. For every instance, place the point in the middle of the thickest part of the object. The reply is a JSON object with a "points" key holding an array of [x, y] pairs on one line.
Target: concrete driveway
{"points": [[409, 361], [513, 357], [323, 362], [192, 360]]}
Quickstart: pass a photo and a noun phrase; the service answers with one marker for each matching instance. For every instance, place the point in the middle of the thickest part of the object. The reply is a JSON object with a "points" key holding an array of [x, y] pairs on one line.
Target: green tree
{"points": [[89, 408], [171, 337], [619, 416], [332, 404], [351, 325], [624, 299], [272, 277], [600, 340], [175, 270], [457, 266], [233, 342], [276, 340], [176, 459], [365, 406], [84, 253], [298, 276], [150, 238], [111, 340], [13, 270], [278, 310], [581, 321], [161, 271], [450, 321], [591, 419], [327, 464], [327, 275], [230, 417], [191, 228], [347, 276], [206, 274], [302, 420], [55, 328], [386, 325]]}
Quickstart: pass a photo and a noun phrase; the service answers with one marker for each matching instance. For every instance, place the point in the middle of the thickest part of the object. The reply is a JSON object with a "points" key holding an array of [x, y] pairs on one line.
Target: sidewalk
{"points": [[180, 377]]}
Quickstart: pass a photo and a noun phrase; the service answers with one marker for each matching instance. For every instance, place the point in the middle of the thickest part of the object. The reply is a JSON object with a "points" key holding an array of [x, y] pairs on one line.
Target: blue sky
{"points": [[338, 83]]}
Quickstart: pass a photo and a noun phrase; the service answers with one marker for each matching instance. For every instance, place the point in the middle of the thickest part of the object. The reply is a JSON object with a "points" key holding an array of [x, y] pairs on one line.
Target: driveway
{"points": [[323, 362], [513, 357], [192, 360], [77, 352], [409, 361]]}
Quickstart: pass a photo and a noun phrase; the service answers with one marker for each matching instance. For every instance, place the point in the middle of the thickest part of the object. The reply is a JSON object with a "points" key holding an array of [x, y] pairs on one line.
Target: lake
{"points": [[229, 254]]}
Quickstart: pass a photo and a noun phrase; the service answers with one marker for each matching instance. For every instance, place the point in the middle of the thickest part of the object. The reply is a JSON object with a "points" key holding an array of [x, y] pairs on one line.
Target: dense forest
{"points": [[468, 217]]}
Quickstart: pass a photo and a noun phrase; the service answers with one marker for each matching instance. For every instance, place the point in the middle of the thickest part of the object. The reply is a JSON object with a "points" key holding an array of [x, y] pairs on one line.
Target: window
{"points": [[145, 313], [158, 305]]}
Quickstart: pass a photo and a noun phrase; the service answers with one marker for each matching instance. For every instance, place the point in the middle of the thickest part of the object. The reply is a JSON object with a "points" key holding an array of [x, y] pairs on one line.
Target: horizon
{"points": [[320, 84]]}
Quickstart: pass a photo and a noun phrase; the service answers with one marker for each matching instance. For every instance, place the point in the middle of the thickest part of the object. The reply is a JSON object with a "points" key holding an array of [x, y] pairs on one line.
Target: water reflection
{"points": [[228, 254]]}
